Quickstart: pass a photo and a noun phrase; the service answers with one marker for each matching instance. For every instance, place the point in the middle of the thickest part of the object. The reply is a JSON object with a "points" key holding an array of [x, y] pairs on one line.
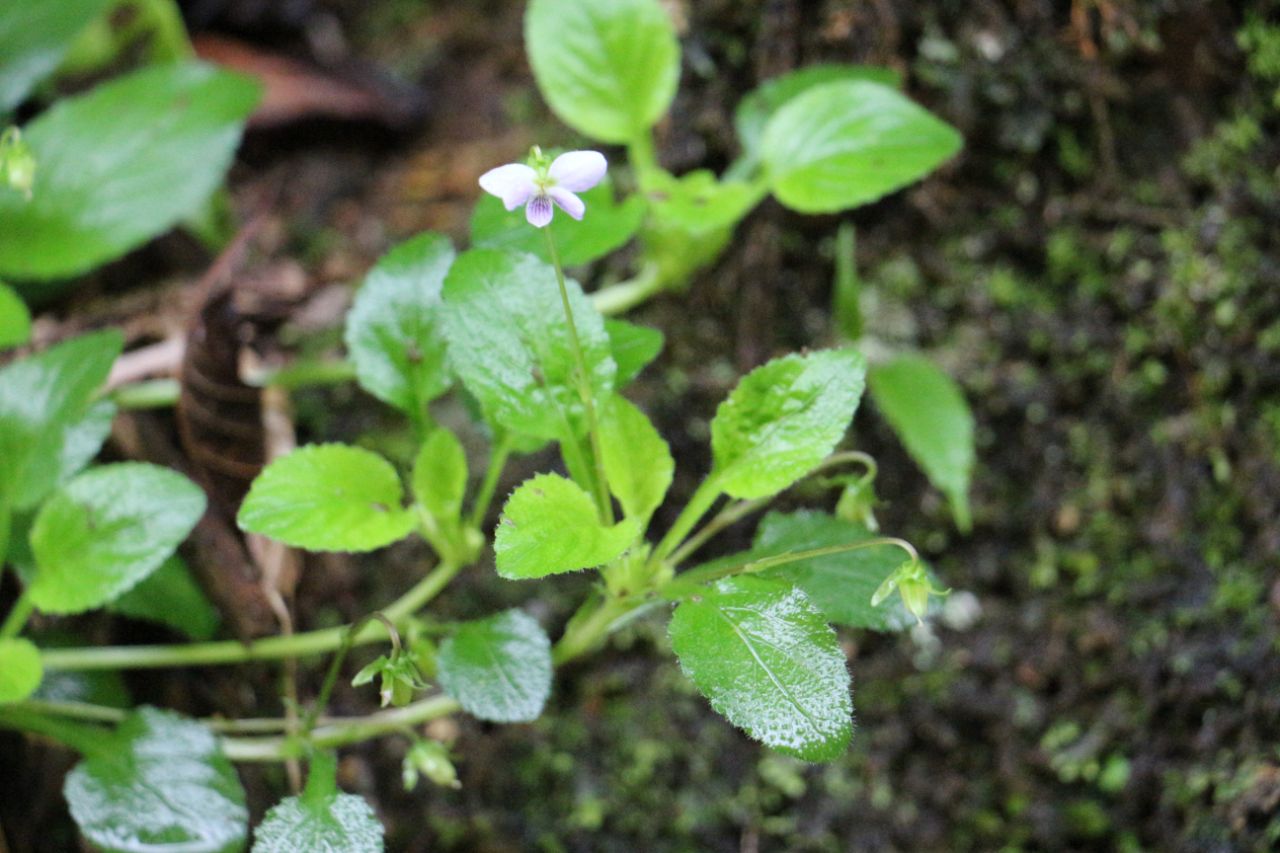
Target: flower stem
{"points": [[335, 666], [717, 570], [498, 456], [696, 508], [231, 651], [584, 386], [625, 295], [18, 616]]}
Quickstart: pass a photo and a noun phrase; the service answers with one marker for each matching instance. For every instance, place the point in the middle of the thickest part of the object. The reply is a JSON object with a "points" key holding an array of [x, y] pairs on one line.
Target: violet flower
{"points": [[540, 183]]}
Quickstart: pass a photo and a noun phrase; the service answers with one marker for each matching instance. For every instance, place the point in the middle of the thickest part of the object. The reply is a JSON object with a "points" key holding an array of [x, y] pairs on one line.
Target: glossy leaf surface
{"points": [[840, 585], [159, 785], [321, 820], [393, 330], [499, 669], [783, 418], [767, 660], [549, 526], [755, 110], [509, 342]]}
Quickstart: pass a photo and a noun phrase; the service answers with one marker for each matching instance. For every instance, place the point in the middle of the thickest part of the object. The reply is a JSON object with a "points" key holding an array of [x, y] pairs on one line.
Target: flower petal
{"points": [[567, 201], [513, 183], [578, 170], [538, 211]]}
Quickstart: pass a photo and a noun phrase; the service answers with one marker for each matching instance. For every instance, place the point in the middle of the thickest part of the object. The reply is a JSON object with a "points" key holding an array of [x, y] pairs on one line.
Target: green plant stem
{"points": [[498, 456], [695, 509], [308, 374], [231, 651], [584, 386], [625, 295], [643, 159], [341, 732], [588, 630], [741, 509], [729, 515], [584, 635], [88, 712], [18, 616], [715, 571], [84, 738], [335, 666], [147, 394]]}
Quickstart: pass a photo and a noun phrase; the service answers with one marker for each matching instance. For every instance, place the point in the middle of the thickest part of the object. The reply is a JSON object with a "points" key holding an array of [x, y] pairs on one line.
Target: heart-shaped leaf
{"points": [[499, 669], [160, 784], [105, 531], [322, 819], [328, 497], [393, 330]]}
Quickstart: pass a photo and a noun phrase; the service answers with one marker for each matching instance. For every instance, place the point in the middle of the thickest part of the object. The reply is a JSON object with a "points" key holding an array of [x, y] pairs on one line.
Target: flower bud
{"points": [[429, 758]]}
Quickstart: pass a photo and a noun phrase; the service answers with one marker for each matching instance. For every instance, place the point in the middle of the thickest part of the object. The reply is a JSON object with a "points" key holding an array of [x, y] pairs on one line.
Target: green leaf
{"points": [[692, 220], [33, 39], [845, 143], [120, 165], [606, 226], [499, 669], [160, 783], [549, 525], [393, 330], [322, 819], [768, 661], [783, 419], [840, 585], [99, 535], [440, 474], [755, 110], [20, 669], [699, 203], [328, 497], [510, 344], [15, 319], [608, 68], [928, 412], [637, 462], [48, 429], [170, 596], [633, 348]]}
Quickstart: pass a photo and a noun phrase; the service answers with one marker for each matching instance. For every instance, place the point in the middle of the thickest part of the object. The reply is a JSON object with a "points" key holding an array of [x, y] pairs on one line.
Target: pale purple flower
{"points": [[538, 186]]}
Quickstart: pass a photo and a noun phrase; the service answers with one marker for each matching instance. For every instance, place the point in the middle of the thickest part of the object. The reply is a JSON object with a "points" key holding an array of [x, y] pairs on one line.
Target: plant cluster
{"points": [[540, 365]]}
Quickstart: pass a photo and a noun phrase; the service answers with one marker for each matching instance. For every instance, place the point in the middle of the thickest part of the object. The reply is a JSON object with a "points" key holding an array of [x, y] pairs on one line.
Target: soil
{"points": [[1099, 269]]}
